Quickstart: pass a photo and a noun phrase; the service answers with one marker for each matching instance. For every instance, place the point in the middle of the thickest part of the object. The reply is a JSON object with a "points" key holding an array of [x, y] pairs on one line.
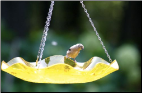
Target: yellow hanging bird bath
{"points": [[58, 69]]}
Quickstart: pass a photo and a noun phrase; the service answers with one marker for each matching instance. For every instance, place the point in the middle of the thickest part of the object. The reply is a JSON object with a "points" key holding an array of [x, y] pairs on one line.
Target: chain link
{"points": [[85, 10], [46, 28]]}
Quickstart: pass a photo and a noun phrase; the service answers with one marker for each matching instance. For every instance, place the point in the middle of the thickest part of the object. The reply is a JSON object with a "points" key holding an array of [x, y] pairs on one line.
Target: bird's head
{"points": [[81, 47]]}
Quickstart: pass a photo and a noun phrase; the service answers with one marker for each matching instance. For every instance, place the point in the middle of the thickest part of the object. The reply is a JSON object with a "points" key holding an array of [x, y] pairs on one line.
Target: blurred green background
{"points": [[117, 22]]}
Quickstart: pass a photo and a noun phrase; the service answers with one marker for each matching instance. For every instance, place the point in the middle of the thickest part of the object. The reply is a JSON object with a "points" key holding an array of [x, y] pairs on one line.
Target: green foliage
{"points": [[6, 33], [128, 57]]}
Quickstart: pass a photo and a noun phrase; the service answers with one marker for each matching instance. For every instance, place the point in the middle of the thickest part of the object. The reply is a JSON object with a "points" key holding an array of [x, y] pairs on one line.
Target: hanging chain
{"points": [[85, 10], [41, 48], [46, 28]]}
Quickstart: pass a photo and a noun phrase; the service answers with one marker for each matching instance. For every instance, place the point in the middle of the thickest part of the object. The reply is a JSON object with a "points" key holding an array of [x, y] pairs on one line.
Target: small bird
{"points": [[74, 51]]}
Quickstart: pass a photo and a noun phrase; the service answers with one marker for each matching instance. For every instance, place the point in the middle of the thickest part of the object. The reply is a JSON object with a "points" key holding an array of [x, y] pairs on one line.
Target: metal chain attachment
{"points": [[46, 28], [85, 10]]}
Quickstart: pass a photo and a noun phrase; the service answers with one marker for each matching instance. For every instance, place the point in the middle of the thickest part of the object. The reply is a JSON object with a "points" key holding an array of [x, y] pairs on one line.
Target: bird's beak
{"points": [[82, 48]]}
